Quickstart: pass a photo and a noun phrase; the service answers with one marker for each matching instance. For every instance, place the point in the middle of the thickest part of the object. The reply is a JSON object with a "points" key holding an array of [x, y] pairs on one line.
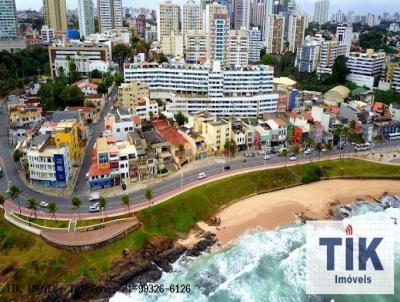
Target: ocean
{"points": [[262, 266]]}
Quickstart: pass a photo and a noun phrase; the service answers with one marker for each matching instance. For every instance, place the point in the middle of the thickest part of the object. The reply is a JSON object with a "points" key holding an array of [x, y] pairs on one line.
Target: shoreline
{"points": [[269, 211]]}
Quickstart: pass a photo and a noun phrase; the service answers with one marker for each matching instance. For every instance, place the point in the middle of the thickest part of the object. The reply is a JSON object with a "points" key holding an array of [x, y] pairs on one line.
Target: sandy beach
{"points": [[271, 210]]}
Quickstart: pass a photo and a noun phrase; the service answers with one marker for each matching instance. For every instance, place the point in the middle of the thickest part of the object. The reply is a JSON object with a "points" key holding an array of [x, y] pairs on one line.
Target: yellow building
{"points": [[55, 14], [130, 93], [66, 132]]}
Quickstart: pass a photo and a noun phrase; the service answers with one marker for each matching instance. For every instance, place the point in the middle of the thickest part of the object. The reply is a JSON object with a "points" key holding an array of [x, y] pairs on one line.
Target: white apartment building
{"points": [[192, 17], [47, 34], [8, 20], [321, 11], [168, 18], [85, 18], [396, 79], [172, 44], [240, 91], [238, 47], [145, 108], [49, 166], [365, 67], [119, 124], [195, 45], [330, 50], [344, 34], [109, 13], [296, 32], [255, 43]]}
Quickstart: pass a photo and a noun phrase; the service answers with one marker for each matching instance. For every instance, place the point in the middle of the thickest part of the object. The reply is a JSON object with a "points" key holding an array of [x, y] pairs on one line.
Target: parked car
{"points": [[94, 208], [1, 172], [227, 167], [292, 158], [43, 204], [267, 157], [94, 196], [307, 151], [201, 175]]}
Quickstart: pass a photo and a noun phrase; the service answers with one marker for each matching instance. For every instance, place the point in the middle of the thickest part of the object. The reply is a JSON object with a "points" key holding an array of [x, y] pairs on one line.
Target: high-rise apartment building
{"points": [[330, 50], [275, 26], [55, 14], [307, 56], [85, 17], [241, 15], [172, 44], [255, 43], [192, 17], [8, 19], [258, 14], [268, 11], [195, 45], [217, 28], [109, 13], [396, 79], [238, 47], [296, 32], [344, 34], [321, 11], [168, 19]]}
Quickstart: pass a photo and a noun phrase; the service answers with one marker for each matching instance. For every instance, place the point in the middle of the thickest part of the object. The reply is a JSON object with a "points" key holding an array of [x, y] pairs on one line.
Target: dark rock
{"points": [[215, 221], [208, 240]]}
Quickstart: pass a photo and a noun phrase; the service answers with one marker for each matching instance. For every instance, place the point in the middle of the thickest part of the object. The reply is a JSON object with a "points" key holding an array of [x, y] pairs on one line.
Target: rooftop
{"points": [[153, 137]]}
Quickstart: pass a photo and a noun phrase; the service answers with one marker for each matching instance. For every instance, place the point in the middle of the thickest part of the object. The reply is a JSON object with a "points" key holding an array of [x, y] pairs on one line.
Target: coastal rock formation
{"points": [[133, 268]]}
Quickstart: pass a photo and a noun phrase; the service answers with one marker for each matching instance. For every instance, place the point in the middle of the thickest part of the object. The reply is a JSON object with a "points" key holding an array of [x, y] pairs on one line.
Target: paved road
{"points": [[212, 167]]}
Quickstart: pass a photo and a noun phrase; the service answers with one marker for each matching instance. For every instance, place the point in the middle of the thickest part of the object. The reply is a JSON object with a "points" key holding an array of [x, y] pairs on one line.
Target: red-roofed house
{"points": [[87, 86], [89, 114]]}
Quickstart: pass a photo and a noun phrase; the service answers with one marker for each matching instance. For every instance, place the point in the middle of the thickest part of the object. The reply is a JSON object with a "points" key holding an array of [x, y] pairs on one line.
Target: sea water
{"points": [[263, 266]]}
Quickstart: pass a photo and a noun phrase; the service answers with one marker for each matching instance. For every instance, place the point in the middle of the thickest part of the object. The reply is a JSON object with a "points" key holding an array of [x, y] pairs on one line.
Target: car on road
{"points": [[227, 167], [307, 151], [201, 175], [94, 208], [1, 172], [292, 158], [94, 196], [43, 204], [267, 157]]}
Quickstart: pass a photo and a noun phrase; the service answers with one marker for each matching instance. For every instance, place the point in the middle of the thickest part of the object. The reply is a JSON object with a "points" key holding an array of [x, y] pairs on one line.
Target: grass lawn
{"points": [[89, 222], [45, 222], [37, 262]]}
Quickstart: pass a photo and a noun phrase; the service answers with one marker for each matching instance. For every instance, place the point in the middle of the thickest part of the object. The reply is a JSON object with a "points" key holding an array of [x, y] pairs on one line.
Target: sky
{"points": [[358, 6]]}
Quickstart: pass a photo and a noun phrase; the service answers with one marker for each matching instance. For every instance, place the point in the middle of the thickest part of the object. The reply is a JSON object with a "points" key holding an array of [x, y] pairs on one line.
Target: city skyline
{"points": [[367, 6]]}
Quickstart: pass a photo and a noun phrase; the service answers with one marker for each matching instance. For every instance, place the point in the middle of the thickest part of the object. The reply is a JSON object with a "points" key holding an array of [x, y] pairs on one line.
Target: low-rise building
{"points": [[87, 86], [96, 100], [89, 114], [336, 95], [25, 117], [394, 109], [119, 123]]}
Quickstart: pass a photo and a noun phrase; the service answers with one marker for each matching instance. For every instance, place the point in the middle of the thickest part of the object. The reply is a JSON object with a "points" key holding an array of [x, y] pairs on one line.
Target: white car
{"points": [[44, 204], [307, 151], [94, 208], [201, 175], [267, 157], [293, 158], [94, 196]]}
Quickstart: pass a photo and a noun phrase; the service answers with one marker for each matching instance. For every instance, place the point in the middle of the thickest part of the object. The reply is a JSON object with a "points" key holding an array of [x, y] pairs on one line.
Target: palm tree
{"points": [[52, 209], [149, 194], [329, 148], [380, 139], [14, 192], [103, 205], [32, 205], [76, 204], [125, 201], [285, 154], [296, 151], [318, 147]]}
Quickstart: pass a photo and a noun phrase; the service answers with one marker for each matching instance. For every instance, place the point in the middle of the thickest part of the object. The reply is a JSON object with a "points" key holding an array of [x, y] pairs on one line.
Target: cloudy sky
{"points": [[358, 6]]}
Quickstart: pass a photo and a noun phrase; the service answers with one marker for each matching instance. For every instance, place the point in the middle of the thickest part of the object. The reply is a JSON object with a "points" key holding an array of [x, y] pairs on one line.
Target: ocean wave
{"points": [[262, 266]]}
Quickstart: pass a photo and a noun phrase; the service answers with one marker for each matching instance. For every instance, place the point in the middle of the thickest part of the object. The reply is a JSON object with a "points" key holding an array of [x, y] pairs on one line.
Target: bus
{"points": [[362, 147], [394, 136]]}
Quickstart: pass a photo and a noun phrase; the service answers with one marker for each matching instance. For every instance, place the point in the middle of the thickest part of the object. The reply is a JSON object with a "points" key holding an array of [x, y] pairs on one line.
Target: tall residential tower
{"points": [[85, 16], [55, 14], [321, 11], [110, 14], [8, 19], [168, 19]]}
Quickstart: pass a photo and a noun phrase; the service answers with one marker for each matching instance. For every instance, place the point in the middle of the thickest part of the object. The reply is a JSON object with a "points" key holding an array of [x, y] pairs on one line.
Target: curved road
{"points": [[212, 167]]}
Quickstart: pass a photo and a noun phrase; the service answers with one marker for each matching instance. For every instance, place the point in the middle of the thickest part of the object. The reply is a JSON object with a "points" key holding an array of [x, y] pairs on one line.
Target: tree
{"points": [[72, 96], [340, 70], [119, 79], [90, 104], [180, 118], [160, 58], [120, 52], [268, 59], [14, 193], [76, 204], [126, 202], [329, 148], [17, 155], [285, 154], [32, 205], [318, 147], [73, 74], [103, 205], [102, 88], [2, 199], [149, 194], [52, 209], [296, 151], [95, 74]]}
